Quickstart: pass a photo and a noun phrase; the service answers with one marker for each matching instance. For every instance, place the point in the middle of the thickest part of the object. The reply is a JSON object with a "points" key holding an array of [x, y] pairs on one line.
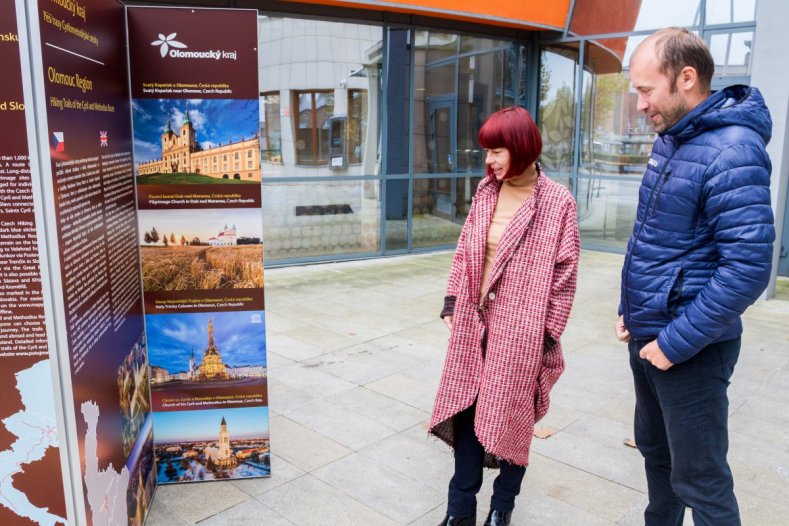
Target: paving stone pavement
{"points": [[355, 351]]}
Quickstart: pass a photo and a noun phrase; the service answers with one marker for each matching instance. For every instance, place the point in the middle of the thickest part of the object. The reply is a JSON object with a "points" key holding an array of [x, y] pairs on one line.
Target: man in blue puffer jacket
{"points": [[700, 254]]}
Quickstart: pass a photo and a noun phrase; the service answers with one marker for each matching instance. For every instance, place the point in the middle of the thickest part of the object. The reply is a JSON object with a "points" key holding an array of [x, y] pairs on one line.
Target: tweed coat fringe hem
{"points": [[504, 354]]}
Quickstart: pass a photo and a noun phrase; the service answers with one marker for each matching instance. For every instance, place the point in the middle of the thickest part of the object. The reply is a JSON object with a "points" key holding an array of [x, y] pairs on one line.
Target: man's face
{"points": [[663, 106]]}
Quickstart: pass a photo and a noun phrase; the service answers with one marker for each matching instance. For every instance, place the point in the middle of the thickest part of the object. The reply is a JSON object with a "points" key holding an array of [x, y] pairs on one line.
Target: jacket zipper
{"points": [[679, 294], [647, 213], [660, 190]]}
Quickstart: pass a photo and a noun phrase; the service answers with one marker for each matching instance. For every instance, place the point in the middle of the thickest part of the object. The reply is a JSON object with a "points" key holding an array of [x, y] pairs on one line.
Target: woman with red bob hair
{"points": [[509, 294]]}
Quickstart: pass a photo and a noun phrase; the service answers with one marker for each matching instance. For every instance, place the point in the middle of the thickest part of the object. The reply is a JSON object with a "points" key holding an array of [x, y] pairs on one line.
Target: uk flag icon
{"points": [[103, 138]]}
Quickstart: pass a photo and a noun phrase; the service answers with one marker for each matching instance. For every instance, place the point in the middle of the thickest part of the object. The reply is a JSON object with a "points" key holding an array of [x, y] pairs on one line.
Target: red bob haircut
{"points": [[514, 129]]}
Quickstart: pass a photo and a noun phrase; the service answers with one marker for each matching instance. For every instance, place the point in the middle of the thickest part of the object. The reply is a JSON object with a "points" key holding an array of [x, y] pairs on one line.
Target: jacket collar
{"points": [[511, 238]]}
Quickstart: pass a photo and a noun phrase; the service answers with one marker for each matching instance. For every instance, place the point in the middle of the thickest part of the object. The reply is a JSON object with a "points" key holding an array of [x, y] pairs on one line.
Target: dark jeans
{"points": [[465, 484], [681, 429]]}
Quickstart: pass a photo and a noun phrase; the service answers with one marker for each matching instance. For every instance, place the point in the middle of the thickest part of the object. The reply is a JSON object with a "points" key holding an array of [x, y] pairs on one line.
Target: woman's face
{"points": [[499, 161]]}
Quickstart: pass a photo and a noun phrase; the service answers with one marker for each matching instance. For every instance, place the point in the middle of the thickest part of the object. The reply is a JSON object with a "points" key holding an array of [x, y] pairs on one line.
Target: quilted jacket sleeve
{"points": [[736, 202]]}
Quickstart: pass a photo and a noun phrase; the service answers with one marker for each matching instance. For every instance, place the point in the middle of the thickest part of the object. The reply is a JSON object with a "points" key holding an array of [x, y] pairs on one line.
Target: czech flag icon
{"points": [[58, 142]]}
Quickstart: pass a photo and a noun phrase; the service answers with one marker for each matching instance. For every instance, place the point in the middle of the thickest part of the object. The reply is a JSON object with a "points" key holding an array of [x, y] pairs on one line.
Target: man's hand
{"points": [[448, 322], [651, 352], [621, 331]]}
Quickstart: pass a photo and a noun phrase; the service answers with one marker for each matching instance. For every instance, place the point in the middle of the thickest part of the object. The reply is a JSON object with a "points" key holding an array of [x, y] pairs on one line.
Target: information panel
{"points": [[196, 120], [86, 147], [31, 479]]}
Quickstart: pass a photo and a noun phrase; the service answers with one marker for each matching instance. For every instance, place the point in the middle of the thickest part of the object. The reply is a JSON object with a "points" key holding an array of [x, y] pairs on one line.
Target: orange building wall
{"points": [[550, 14]]}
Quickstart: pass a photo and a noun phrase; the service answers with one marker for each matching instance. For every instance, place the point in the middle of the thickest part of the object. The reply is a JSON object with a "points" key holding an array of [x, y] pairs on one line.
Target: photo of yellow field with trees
{"points": [[220, 250], [202, 267]]}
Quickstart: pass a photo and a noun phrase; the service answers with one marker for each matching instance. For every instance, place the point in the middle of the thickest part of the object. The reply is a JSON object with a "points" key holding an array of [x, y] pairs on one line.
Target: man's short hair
{"points": [[676, 48]]}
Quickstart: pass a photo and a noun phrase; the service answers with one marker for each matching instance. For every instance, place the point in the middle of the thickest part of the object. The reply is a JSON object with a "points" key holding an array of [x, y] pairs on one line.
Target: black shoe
{"points": [[450, 520], [498, 518]]}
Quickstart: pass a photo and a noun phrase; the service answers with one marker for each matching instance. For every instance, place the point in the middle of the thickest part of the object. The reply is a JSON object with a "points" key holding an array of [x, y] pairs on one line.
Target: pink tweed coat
{"points": [[524, 311]]}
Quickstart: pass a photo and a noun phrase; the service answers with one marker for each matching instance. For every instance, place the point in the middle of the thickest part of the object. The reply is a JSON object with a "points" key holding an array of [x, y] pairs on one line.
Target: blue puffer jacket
{"points": [[701, 248]]}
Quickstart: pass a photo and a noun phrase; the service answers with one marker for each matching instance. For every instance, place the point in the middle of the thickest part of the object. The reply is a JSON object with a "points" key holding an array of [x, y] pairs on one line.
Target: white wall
{"points": [[770, 74]]}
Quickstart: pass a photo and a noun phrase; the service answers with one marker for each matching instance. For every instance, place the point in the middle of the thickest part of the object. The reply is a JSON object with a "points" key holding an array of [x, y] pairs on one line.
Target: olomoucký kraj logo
{"points": [[165, 42]]}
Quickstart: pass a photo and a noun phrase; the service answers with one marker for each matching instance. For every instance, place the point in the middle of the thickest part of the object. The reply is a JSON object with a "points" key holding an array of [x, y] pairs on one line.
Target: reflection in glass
{"points": [[732, 53], [320, 85], [312, 126], [319, 218], [556, 116], [479, 94], [617, 139], [440, 206], [270, 129], [458, 82], [606, 211], [729, 11], [454, 94], [599, 17], [324, 77], [357, 124]]}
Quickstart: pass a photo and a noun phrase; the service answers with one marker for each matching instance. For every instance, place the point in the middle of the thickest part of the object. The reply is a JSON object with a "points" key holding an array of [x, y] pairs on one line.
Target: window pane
{"points": [[455, 94], [324, 110], [606, 211], [440, 208], [434, 116], [439, 46], [728, 11], [523, 83], [357, 124], [509, 59], [556, 118], [320, 218], [479, 95], [474, 44], [305, 129], [732, 53], [314, 67], [618, 139], [597, 17]]}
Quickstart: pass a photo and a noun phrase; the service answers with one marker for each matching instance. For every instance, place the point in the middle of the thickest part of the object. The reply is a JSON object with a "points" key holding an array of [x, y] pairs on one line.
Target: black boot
{"points": [[451, 520], [498, 518]]}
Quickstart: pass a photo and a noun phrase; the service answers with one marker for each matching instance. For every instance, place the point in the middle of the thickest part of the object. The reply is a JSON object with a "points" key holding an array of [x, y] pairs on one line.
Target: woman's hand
{"points": [[448, 322]]}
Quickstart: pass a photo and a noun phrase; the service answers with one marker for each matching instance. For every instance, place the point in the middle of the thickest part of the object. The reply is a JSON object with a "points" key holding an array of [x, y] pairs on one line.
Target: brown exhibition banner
{"points": [[31, 479], [197, 153], [88, 127]]}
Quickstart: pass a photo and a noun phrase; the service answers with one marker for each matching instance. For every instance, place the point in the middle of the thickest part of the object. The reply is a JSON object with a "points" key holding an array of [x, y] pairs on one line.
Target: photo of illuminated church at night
{"points": [[220, 444]]}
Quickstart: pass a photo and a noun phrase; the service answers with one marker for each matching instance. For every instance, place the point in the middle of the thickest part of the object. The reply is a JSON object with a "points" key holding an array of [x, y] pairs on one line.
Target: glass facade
{"points": [[369, 132], [595, 140]]}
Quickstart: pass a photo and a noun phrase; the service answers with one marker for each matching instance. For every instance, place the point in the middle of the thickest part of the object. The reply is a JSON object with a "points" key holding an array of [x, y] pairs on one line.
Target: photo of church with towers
{"points": [[182, 153], [220, 444], [211, 368]]}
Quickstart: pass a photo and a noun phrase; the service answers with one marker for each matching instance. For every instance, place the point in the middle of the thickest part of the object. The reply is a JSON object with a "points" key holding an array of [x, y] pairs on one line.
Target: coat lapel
{"points": [[513, 235], [485, 200]]}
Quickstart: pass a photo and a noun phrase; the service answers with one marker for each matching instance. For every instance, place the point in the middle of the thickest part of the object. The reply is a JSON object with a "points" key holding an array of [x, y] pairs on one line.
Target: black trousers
{"points": [[681, 428], [467, 480]]}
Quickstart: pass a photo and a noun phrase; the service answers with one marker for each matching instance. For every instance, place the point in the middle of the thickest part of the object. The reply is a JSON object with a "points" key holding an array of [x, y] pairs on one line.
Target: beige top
{"points": [[513, 193]]}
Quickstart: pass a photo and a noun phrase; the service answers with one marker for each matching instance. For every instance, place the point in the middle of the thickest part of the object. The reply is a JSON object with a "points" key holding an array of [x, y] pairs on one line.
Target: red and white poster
{"points": [[195, 115]]}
